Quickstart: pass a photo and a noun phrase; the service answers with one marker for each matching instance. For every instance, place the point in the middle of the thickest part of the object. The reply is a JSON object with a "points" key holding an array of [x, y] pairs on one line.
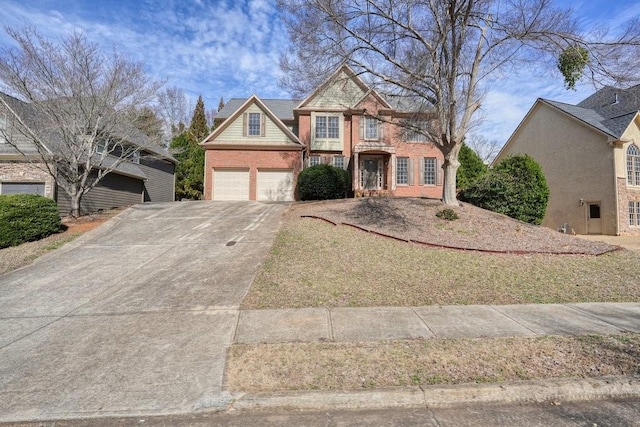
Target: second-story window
{"points": [[327, 127], [370, 128], [101, 147], [3, 128]]}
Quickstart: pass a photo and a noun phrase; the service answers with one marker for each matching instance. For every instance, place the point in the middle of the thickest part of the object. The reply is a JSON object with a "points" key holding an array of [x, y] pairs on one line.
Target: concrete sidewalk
{"points": [[383, 323]]}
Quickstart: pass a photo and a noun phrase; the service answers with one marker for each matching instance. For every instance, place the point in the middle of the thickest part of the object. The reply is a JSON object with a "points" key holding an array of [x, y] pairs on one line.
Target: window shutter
{"points": [[410, 170], [245, 123], [263, 125], [439, 172], [421, 170], [361, 127]]}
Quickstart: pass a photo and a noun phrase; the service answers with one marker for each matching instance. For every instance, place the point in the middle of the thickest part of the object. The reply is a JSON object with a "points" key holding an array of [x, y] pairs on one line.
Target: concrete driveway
{"points": [[133, 317]]}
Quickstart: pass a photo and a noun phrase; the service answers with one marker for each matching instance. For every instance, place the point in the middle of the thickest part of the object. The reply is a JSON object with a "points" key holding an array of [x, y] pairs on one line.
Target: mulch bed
{"points": [[415, 220]]}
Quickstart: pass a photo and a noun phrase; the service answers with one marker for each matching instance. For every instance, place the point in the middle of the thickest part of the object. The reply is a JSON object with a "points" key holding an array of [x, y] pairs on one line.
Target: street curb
{"points": [[550, 390]]}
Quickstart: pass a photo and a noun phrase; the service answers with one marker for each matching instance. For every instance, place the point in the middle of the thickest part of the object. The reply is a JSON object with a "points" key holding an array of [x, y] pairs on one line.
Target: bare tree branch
{"points": [[437, 55], [81, 106]]}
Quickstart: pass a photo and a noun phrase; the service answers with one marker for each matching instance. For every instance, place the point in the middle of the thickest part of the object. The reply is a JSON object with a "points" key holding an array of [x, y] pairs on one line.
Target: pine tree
{"points": [[198, 128], [190, 155]]}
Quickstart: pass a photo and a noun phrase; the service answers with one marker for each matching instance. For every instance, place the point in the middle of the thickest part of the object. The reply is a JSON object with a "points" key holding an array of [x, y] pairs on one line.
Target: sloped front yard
{"points": [[316, 264]]}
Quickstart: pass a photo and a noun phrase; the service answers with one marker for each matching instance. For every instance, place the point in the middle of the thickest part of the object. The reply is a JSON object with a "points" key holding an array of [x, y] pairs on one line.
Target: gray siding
{"points": [[159, 186], [12, 136], [113, 191]]}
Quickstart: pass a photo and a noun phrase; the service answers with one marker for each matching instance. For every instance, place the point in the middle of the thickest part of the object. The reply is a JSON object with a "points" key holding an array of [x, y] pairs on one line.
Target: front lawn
{"points": [[316, 264]]}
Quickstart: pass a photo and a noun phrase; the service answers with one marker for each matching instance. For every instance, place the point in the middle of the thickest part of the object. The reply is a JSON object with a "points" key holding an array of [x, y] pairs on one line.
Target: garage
{"points": [[275, 185], [22, 188], [231, 184]]}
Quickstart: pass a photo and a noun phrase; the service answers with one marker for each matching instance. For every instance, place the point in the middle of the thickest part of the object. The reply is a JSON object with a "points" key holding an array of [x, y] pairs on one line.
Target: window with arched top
{"points": [[633, 165]]}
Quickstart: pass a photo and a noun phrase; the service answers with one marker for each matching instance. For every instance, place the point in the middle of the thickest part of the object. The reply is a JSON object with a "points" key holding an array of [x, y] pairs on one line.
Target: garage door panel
{"points": [[275, 185], [231, 184], [22, 188]]}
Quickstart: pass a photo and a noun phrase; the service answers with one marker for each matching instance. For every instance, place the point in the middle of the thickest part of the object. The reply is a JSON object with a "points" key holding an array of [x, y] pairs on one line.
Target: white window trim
{"points": [[3, 127], [408, 171], [634, 214], [632, 165], [410, 134], [436, 171], [249, 124], [327, 144], [334, 162], [101, 147], [315, 160]]}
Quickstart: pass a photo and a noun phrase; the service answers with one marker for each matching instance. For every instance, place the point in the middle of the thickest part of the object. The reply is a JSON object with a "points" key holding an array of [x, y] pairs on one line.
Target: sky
{"points": [[229, 49]]}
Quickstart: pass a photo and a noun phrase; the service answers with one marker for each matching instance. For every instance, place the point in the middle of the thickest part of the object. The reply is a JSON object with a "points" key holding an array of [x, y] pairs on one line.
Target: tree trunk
{"points": [[75, 205], [450, 167]]}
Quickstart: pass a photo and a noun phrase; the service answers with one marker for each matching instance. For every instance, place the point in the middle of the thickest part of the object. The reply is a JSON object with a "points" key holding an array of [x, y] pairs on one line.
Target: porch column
{"points": [[356, 172], [393, 172]]}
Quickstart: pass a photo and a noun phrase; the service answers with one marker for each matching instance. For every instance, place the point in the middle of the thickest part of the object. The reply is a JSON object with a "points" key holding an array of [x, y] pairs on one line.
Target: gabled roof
{"points": [[612, 102], [281, 108], [586, 115], [354, 77], [240, 110]]}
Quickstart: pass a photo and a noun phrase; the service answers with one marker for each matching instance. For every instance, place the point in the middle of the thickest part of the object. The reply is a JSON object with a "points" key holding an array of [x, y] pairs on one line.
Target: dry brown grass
{"points": [[315, 264], [341, 366], [15, 257]]}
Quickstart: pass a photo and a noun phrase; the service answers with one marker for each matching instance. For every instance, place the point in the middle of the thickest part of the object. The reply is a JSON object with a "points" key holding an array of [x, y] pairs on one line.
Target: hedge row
{"points": [[27, 217]]}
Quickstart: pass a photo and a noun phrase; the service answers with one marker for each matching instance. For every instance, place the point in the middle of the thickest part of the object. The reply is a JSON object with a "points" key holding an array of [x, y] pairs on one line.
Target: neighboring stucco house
{"points": [[590, 155], [148, 176], [259, 146]]}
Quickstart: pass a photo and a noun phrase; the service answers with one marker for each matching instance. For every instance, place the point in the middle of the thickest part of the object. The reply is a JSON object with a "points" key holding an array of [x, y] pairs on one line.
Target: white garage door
{"points": [[231, 184], [275, 185]]}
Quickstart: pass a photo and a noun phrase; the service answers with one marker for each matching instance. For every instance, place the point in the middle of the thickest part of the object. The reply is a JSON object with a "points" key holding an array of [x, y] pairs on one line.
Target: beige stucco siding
{"points": [[578, 163], [233, 134]]}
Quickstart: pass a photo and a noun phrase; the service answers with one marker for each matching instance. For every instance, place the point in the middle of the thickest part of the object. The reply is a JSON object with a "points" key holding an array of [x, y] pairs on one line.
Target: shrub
{"points": [[323, 182], [27, 217], [447, 214], [471, 167], [515, 187]]}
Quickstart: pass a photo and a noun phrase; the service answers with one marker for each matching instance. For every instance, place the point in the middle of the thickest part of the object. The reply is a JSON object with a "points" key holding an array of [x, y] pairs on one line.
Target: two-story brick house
{"points": [[260, 146]]}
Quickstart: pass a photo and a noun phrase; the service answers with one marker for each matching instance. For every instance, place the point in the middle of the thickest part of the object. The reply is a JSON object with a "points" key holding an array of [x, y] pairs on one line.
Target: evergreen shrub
{"points": [[323, 182], [27, 217], [516, 187]]}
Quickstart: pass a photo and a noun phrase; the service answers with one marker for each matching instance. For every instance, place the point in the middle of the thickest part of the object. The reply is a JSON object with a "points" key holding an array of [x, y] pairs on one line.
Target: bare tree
{"points": [[174, 108], [80, 104], [486, 149], [436, 55]]}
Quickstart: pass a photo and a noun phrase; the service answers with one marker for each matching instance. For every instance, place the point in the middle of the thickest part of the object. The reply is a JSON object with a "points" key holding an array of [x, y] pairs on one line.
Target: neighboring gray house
{"points": [[146, 177]]}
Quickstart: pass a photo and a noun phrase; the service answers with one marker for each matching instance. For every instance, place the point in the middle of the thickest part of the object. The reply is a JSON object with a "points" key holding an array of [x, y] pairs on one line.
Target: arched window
{"points": [[633, 165]]}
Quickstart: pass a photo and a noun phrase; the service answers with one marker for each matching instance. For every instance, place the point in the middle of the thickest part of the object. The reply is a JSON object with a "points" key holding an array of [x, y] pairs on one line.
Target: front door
{"points": [[594, 222], [371, 173]]}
